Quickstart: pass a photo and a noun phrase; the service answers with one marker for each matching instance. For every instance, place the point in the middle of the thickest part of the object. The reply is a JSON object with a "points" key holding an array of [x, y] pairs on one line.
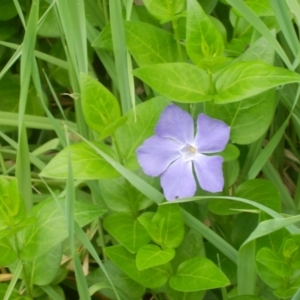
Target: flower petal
{"points": [[209, 172], [176, 124], [156, 154], [212, 134], [178, 180]]}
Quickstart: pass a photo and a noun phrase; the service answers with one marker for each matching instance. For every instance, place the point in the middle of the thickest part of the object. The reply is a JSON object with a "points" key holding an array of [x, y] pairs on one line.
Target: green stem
{"points": [[176, 34], [27, 285], [105, 11], [129, 187]]}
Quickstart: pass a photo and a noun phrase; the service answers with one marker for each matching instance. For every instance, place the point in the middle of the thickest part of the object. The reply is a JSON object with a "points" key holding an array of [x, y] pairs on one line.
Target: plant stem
{"points": [[176, 35]]}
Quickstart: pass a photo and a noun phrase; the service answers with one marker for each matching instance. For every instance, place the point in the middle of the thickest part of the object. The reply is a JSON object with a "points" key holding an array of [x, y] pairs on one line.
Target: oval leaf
{"points": [[203, 40], [152, 278], [164, 10], [150, 45], [274, 262], [196, 274], [245, 79], [180, 82], [100, 107], [86, 163], [127, 231], [151, 255], [169, 220], [51, 228]]}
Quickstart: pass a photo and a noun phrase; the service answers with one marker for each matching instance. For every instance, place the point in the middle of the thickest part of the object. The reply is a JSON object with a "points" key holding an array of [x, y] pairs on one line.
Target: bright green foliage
{"points": [[166, 227], [86, 163], [246, 79], [236, 61], [14, 295], [152, 255], [198, 273], [279, 268], [258, 190], [43, 269], [100, 108], [127, 231], [12, 208], [164, 10], [50, 228], [152, 278], [204, 42], [121, 196], [8, 254], [129, 287], [248, 119], [150, 45], [178, 81]]}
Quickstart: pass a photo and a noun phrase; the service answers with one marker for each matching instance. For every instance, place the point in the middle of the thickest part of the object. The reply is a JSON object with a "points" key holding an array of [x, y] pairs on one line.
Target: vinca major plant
{"points": [[149, 149]]}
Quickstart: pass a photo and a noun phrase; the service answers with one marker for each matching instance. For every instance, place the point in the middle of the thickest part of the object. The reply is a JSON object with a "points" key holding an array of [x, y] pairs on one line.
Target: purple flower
{"points": [[173, 152]]}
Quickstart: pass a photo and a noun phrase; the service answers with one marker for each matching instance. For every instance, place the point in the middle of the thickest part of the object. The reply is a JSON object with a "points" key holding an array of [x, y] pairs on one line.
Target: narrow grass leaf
{"points": [[50, 291], [69, 214], [266, 153], [27, 59], [120, 53], [283, 17], [258, 24], [13, 282]]}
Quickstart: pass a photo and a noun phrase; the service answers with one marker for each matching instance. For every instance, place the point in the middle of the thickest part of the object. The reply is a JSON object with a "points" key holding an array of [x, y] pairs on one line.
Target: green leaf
{"points": [[49, 27], [10, 93], [7, 10], [180, 82], [151, 278], [176, 295], [51, 228], [274, 262], [133, 133], [12, 206], [248, 119], [152, 255], [86, 163], [132, 289], [203, 40], [191, 246], [166, 226], [260, 7], [289, 248], [8, 254], [272, 280], [196, 274], [104, 39], [119, 195], [246, 297], [230, 153], [258, 190], [150, 45], [245, 79], [127, 231], [100, 107], [13, 296], [164, 10], [169, 220], [43, 269], [285, 293]]}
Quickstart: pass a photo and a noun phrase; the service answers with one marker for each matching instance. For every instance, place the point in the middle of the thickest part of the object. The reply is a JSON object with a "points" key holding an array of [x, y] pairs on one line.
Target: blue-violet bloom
{"points": [[174, 151]]}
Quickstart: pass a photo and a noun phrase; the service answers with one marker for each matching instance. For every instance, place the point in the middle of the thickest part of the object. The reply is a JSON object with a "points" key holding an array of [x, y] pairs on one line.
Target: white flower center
{"points": [[188, 152]]}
